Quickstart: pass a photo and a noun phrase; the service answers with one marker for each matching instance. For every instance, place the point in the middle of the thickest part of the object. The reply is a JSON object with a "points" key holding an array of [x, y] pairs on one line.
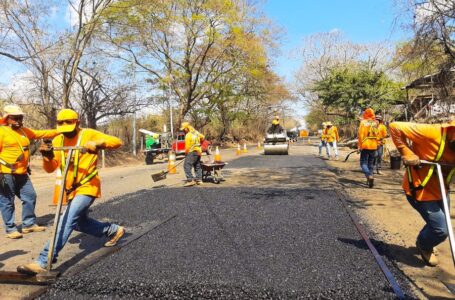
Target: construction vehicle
{"points": [[276, 143]]}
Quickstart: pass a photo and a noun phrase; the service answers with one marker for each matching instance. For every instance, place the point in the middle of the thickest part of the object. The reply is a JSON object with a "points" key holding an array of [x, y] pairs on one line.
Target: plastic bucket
{"points": [[395, 162]]}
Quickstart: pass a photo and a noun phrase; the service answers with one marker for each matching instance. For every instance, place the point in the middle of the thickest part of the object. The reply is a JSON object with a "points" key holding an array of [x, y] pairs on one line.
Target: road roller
{"points": [[276, 143]]}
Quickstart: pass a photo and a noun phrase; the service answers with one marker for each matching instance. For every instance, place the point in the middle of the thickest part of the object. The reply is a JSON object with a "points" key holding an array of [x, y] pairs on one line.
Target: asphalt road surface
{"points": [[234, 242]]}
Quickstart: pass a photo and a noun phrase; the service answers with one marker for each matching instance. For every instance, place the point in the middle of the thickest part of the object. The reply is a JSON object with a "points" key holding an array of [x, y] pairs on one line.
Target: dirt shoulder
{"points": [[395, 223]]}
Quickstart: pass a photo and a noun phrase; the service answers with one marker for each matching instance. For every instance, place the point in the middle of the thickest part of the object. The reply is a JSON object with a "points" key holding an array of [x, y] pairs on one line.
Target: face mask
{"points": [[452, 145]]}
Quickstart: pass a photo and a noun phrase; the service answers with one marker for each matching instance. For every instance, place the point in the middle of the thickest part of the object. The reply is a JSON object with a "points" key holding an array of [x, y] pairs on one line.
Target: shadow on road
{"points": [[396, 253]]}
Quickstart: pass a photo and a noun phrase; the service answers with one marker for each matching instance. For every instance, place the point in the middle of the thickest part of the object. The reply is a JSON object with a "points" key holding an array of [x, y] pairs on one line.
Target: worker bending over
{"points": [[82, 185], [14, 171], [275, 128], [368, 144], [382, 134], [331, 136], [193, 151], [435, 142]]}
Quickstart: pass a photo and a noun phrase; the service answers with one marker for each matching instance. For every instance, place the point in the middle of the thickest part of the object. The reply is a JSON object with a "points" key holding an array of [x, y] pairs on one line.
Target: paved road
{"points": [[235, 242]]}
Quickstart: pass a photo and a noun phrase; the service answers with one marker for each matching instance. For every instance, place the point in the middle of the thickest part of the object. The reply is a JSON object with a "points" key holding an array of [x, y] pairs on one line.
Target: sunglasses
{"points": [[16, 118], [67, 122]]}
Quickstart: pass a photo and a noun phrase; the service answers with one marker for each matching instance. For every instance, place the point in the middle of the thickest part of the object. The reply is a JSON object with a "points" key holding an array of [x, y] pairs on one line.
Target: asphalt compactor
{"points": [[276, 143]]}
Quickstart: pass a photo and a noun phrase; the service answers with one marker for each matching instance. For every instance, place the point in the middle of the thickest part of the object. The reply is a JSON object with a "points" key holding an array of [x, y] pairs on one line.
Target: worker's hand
{"points": [[411, 160], [93, 147], [47, 150]]}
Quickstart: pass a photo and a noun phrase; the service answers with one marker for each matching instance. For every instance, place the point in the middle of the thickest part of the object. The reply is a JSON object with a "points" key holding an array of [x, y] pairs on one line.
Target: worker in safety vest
{"points": [[193, 151], [382, 134], [368, 144], [431, 142], [275, 128], [14, 171], [323, 142], [82, 185], [331, 135]]}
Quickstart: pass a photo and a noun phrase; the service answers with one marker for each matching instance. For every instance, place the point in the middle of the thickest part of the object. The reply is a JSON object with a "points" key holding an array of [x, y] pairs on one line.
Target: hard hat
{"points": [[277, 117], [64, 115], [184, 125], [275, 122], [12, 110]]}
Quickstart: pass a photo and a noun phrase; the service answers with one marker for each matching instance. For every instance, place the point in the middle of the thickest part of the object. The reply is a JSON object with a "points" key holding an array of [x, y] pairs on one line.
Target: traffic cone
{"points": [[57, 187], [217, 154], [238, 150], [259, 145], [245, 150], [171, 163]]}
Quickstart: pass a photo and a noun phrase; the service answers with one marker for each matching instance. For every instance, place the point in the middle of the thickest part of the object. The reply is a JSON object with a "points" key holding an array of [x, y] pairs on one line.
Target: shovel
{"points": [[347, 156], [446, 205], [162, 175], [50, 274]]}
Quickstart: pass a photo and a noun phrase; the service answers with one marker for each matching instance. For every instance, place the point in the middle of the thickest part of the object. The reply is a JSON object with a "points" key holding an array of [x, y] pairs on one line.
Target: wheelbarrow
{"points": [[212, 170]]}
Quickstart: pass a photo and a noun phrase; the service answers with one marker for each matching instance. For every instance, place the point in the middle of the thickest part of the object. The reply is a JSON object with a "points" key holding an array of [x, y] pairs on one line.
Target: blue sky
{"points": [[361, 21]]}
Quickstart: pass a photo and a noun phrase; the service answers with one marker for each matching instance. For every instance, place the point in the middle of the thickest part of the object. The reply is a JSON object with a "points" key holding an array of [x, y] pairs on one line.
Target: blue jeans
{"points": [[192, 159], [435, 230], [366, 161], [76, 218], [378, 160], [324, 144], [20, 186]]}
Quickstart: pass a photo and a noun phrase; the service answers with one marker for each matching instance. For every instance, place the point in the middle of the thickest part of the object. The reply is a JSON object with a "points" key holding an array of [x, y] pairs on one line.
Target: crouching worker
{"points": [[193, 151], [82, 185], [435, 142]]}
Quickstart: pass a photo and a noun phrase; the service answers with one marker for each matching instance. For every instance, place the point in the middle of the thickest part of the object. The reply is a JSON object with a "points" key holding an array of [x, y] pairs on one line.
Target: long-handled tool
{"points": [[347, 156], [49, 274], [162, 175], [445, 203]]}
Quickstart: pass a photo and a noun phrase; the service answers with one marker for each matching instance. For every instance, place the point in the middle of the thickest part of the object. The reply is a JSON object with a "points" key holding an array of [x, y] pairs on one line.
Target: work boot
{"points": [[30, 269], [116, 237], [428, 256], [14, 235], [370, 181], [378, 172], [33, 228], [199, 182], [189, 183]]}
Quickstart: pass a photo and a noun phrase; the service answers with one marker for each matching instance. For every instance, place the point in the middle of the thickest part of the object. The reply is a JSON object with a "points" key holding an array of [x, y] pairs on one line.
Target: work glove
{"points": [[94, 146], [46, 150], [411, 160]]}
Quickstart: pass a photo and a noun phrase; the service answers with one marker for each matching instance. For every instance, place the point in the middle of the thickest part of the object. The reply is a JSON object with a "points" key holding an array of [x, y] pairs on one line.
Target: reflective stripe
{"points": [[432, 167]]}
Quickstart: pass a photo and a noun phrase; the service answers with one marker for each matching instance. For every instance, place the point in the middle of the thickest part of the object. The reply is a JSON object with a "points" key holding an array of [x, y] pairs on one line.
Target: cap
{"points": [[66, 114], [12, 110], [328, 124], [184, 125]]}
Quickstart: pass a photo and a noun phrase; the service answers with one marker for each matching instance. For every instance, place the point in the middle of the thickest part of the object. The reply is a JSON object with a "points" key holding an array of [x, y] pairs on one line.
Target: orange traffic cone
{"points": [[245, 150], [57, 187], [217, 154], [171, 163], [238, 150]]}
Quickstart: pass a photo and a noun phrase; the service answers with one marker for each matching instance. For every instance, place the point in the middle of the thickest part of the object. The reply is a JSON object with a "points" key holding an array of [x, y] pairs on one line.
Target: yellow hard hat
{"points": [[184, 125], [12, 110], [66, 115], [275, 122]]}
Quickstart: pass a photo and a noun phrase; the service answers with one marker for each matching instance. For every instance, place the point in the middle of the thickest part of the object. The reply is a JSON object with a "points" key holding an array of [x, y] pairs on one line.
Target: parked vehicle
{"points": [[178, 146]]}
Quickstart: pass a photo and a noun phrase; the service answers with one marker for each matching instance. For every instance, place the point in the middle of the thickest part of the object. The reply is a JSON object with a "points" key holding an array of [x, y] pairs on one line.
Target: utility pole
{"points": [[170, 110], [134, 114]]}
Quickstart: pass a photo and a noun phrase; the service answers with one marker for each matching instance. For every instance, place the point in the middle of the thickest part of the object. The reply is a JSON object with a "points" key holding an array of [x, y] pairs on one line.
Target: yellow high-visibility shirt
{"points": [[382, 134], [193, 142], [331, 134], [15, 142], [87, 161]]}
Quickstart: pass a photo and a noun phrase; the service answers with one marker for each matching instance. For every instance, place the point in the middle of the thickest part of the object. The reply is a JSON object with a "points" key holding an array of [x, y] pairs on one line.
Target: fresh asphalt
{"points": [[234, 243]]}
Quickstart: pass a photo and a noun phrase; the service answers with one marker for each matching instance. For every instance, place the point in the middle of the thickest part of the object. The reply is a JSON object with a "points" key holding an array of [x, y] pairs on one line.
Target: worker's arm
{"points": [[98, 141], [401, 132], [40, 134], [360, 136], [51, 159], [337, 137], [188, 143]]}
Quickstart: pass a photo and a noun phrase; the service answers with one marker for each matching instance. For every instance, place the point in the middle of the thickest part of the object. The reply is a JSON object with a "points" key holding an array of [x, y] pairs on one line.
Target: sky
{"points": [[361, 21]]}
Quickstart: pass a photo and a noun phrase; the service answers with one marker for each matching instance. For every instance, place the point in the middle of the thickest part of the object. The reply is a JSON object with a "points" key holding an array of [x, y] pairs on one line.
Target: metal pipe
{"points": [[446, 205]]}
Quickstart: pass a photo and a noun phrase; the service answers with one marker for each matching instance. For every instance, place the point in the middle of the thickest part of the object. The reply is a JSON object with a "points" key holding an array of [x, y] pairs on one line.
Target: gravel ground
{"points": [[232, 243]]}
